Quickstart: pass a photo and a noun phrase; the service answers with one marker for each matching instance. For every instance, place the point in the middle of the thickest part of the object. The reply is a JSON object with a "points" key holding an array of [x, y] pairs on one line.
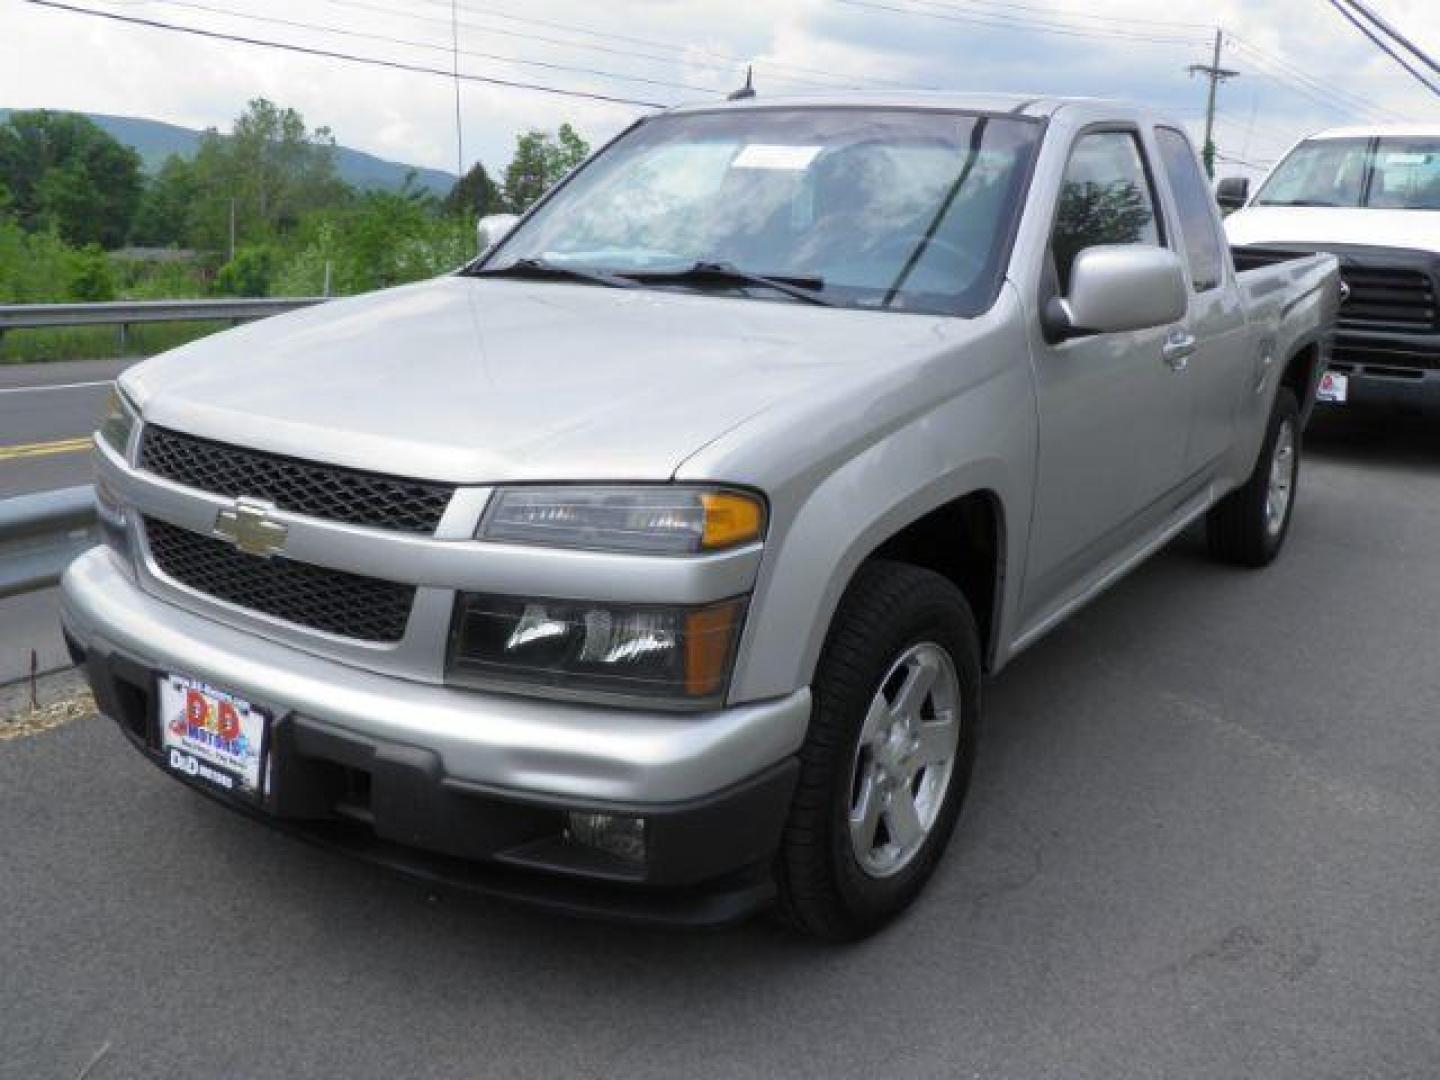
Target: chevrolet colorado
{"points": [[648, 566]]}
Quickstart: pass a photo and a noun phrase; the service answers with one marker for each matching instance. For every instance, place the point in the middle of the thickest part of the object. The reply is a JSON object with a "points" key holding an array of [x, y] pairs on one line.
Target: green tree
{"points": [[62, 171], [274, 170], [163, 217], [381, 238], [540, 160], [249, 273], [35, 267], [91, 278], [474, 193]]}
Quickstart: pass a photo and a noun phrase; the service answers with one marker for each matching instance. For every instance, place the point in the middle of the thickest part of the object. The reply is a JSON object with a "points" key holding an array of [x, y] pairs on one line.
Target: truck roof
{"points": [[1032, 105], [1381, 131]]}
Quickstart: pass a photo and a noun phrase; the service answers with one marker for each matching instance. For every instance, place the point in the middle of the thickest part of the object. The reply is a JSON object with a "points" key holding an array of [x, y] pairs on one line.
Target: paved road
{"points": [[1204, 841], [42, 405]]}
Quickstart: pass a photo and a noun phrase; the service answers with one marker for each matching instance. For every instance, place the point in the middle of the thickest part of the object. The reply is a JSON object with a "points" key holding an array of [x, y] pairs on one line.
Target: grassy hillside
{"points": [[154, 141]]}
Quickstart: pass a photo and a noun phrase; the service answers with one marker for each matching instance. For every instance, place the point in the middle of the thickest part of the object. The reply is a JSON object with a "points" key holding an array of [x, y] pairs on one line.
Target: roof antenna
{"points": [[748, 90]]}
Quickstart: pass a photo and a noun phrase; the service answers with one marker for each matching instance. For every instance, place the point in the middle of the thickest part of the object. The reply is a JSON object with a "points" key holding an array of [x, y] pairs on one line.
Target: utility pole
{"points": [[1216, 74]]}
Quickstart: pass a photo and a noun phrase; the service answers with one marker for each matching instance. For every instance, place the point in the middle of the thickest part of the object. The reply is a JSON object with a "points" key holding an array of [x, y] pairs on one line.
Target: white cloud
{"points": [[54, 59]]}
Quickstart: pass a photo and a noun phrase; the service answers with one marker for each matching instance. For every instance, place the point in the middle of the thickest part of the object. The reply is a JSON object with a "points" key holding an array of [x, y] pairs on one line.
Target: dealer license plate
{"points": [[1334, 387], [211, 736]]}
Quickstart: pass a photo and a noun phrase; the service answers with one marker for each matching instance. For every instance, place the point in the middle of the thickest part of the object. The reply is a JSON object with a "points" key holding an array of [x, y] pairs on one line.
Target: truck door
{"points": [[1217, 320], [1114, 411]]}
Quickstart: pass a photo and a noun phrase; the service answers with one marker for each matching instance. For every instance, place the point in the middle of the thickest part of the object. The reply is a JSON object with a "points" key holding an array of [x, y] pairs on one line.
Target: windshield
{"points": [[903, 210], [1395, 174]]}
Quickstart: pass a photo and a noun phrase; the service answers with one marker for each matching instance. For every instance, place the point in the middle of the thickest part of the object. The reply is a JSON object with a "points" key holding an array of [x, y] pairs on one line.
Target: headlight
{"points": [[117, 422], [680, 656], [658, 520]]}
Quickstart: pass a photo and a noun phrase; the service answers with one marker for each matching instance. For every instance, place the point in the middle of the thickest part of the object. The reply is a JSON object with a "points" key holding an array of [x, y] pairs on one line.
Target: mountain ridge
{"points": [[155, 140]]}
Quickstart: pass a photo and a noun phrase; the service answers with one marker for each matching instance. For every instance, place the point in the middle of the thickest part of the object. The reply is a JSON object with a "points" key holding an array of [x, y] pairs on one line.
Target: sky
{"points": [[1301, 66]]}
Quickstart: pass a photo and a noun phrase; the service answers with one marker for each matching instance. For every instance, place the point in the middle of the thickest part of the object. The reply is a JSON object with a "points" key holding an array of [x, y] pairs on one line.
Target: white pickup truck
{"points": [[1370, 196], [649, 565]]}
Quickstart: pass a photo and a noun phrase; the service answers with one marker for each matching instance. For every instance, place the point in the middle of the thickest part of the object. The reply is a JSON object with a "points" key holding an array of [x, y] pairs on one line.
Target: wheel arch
{"points": [[957, 526], [962, 540], [1301, 374]]}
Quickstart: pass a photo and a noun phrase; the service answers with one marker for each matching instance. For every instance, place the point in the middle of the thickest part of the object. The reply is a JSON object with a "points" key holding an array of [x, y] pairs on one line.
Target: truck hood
{"points": [[481, 381], [1317, 226]]}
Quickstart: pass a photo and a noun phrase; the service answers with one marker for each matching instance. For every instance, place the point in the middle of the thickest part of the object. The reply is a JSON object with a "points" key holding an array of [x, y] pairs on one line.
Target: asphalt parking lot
{"points": [[1203, 841]]}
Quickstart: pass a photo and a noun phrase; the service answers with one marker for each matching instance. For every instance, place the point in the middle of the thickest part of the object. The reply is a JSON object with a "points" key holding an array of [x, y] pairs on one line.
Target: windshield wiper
{"points": [[541, 269], [800, 287], [1298, 202]]}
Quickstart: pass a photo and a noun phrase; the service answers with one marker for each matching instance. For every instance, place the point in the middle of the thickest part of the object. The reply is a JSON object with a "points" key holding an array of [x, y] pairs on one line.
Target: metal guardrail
{"points": [[130, 312], [40, 534], [124, 314]]}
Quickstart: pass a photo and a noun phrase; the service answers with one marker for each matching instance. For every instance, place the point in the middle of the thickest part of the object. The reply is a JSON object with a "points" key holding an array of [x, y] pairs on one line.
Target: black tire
{"points": [[1239, 528], [889, 608]]}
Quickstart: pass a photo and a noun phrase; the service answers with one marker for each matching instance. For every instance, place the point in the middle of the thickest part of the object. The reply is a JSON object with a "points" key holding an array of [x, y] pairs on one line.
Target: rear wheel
{"points": [[888, 756], [1248, 527]]}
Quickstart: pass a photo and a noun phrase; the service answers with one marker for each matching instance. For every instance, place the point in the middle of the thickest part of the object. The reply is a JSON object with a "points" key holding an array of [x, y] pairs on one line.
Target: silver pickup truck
{"points": [[649, 566]]}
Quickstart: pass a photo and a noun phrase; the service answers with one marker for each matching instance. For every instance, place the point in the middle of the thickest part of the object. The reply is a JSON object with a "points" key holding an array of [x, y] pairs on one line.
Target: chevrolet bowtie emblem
{"points": [[247, 525]]}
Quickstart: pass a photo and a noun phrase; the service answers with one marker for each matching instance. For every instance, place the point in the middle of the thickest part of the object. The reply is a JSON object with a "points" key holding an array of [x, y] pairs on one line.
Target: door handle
{"points": [[1177, 349]]}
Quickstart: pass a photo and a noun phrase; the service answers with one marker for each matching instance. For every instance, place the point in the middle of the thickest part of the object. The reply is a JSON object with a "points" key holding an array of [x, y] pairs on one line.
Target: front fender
{"points": [[981, 439]]}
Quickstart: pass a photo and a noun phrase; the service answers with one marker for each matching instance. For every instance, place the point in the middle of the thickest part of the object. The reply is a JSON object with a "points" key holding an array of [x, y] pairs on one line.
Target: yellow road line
{"points": [[63, 446]]}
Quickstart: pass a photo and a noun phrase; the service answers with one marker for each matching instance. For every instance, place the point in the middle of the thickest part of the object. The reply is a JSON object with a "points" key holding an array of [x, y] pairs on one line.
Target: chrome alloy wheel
{"points": [[904, 760], [1282, 479]]}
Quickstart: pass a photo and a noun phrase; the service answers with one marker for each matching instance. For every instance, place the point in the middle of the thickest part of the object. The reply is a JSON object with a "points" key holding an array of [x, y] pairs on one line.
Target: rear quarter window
{"points": [[1192, 199]]}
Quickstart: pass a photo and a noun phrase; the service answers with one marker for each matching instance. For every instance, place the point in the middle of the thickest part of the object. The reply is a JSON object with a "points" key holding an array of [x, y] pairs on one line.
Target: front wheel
{"points": [[888, 756], [1248, 527]]}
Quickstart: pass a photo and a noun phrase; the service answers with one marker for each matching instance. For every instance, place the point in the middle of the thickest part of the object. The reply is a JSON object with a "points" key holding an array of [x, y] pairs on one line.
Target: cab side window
{"points": [[1105, 198], [1192, 197]]}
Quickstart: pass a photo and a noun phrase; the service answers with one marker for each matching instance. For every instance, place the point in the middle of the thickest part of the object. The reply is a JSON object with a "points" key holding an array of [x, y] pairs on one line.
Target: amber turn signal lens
{"points": [[730, 518], [710, 635]]}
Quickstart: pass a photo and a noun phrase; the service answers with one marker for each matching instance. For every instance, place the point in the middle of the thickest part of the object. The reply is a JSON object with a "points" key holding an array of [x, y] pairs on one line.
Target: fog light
{"points": [[621, 837]]}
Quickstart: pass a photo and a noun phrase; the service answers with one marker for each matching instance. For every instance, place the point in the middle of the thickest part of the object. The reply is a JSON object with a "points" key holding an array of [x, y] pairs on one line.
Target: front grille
{"points": [[303, 487], [1388, 297], [311, 596], [1382, 297]]}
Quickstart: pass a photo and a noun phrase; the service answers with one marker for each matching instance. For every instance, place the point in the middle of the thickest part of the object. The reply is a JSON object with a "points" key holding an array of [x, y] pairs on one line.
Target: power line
{"points": [[726, 58], [361, 5], [1395, 34], [1383, 46], [275, 20], [1275, 133], [1016, 22], [307, 50], [1072, 13], [1289, 77], [1285, 74], [727, 63], [1261, 165]]}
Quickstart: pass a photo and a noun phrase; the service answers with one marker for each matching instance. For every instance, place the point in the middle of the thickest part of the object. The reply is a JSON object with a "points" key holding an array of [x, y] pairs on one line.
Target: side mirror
{"points": [[1233, 192], [492, 228], [1120, 287]]}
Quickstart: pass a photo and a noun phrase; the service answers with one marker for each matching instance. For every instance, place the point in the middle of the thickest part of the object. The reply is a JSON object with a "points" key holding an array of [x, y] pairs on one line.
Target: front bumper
{"points": [[462, 786], [1380, 383]]}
